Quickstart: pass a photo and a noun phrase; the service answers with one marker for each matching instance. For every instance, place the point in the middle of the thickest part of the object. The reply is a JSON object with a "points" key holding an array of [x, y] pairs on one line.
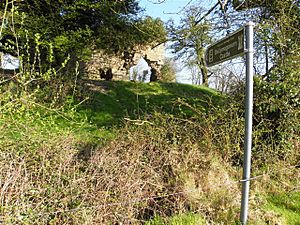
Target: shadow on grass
{"points": [[98, 119]]}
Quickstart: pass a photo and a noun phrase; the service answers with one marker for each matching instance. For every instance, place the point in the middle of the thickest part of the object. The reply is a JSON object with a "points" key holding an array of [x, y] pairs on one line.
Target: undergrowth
{"points": [[156, 158], [76, 151]]}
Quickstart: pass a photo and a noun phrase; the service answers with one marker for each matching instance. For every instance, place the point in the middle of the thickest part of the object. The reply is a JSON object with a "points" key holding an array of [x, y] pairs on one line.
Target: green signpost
{"points": [[227, 48]]}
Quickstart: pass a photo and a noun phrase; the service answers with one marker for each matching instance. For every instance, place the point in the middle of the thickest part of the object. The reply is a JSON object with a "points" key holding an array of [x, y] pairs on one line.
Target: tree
{"points": [[277, 91], [277, 30], [168, 71], [71, 28], [190, 39]]}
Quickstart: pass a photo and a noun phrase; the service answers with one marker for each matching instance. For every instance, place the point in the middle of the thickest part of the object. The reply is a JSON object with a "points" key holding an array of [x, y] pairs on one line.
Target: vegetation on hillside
{"points": [[130, 152], [78, 151]]}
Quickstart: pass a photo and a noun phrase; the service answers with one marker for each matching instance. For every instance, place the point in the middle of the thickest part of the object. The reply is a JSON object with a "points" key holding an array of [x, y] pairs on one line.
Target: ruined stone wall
{"points": [[120, 63], [103, 61]]}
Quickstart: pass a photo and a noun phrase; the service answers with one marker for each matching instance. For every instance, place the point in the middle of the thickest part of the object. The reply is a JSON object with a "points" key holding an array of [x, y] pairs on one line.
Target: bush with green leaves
{"points": [[168, 72], [72, 29], [276, 112]]}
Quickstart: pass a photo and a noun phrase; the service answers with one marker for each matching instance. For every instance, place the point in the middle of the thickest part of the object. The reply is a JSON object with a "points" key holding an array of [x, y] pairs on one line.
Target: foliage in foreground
{"points": [[171, 156], [163, 167], [181, 219], [285, 205], [66, 184]]}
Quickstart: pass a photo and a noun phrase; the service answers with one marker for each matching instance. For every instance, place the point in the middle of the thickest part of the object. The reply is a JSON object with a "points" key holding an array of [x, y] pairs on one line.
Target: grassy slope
{"points": [[108, 103], [97, 119], [119, 99], [31, 127]]}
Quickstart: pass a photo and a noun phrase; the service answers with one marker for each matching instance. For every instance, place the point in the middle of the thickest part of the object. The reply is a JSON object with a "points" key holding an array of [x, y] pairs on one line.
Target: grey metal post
{"points": [[248, 122]]}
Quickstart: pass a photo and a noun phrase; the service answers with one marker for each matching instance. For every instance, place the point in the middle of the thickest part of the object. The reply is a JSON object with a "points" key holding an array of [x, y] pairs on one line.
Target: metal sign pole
{"points": [[248, 122]]}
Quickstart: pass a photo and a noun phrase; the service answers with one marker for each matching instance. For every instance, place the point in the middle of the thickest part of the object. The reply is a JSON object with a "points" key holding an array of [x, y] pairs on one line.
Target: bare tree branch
{"points": [[158, 1], [207, 13]]}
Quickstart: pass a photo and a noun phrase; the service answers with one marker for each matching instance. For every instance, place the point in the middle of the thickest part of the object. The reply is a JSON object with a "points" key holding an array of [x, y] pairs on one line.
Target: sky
{"points": [[166, 9]]}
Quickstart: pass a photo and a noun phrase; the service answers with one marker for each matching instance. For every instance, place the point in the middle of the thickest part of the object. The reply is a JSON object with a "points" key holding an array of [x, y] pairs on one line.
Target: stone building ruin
{"points": [[116, 66]]}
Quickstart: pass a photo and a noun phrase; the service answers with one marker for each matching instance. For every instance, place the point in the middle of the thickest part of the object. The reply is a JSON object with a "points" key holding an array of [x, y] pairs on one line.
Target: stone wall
{"points": [[119, 64]]}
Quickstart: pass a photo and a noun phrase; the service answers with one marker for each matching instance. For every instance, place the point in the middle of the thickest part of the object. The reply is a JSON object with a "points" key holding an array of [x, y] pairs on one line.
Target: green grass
{"points": [[43, 136], [98, 119], [184, 219], [98, 114], [286, 205], [138, 100], [104, 112]]}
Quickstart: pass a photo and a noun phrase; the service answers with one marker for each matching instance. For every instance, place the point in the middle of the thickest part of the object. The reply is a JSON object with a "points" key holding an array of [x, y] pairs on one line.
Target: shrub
{"points": [[168, 73]]}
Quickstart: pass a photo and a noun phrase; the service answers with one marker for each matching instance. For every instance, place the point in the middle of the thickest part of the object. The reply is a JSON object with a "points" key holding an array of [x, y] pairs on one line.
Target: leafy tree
{"points": [[168, 71], [71, 28], [190, 39], [277, 26], [277, 91]]}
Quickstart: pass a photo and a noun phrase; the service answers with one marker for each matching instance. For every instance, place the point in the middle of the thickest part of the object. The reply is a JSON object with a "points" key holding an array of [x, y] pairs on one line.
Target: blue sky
{"points": [[169, 8], [165, 10]]}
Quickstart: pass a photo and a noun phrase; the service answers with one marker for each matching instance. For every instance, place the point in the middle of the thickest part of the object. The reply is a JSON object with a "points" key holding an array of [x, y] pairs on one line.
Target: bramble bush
{"points": [[275, 114]]}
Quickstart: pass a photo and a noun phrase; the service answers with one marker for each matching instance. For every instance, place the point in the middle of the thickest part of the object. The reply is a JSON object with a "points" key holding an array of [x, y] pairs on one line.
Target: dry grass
{"points": [[163, 167], [148, 170]]}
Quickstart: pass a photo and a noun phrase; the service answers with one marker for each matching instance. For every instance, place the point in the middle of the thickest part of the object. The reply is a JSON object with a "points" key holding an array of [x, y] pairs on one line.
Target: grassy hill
{"points": [[102, 107], [109, 103], [131, 153]]}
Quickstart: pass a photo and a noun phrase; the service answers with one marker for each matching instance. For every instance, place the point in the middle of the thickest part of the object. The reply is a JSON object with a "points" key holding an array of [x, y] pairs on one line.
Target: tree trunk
{"points": [[204, 71]]}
